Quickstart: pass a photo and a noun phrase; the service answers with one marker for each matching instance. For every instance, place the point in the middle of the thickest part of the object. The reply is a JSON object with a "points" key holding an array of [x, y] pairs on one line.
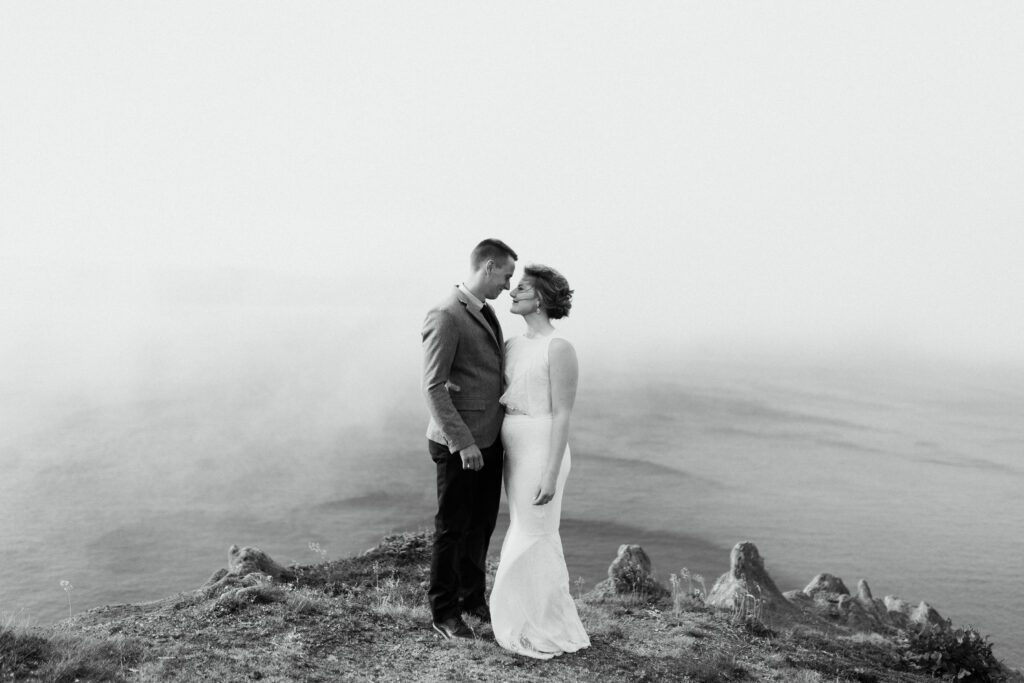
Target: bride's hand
{"points": [[545, 492]]}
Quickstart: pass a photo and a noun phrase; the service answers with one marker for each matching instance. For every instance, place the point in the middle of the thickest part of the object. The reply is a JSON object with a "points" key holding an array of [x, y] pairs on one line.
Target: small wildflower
{"points": [[66, 585], [703, 587], [685, 573]]}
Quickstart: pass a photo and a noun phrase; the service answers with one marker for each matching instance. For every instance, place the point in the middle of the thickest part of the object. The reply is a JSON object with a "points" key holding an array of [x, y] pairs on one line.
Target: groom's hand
{"points": [[472, 458]]}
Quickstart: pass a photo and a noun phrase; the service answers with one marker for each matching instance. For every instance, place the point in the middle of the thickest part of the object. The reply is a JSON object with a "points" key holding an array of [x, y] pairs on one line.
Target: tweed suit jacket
{"points": [[460, 347]]}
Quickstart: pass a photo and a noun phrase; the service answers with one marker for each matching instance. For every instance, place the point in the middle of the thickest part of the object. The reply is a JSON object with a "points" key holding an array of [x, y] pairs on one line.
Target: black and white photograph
{"points": [[534, 341]]}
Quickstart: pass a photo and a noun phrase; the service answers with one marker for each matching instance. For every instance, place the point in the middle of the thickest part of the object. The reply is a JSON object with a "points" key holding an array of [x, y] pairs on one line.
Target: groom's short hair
{"points": [[490, 249]]}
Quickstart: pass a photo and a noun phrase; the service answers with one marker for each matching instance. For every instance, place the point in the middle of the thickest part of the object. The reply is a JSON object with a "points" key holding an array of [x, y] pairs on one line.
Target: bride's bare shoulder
{"points": [[561, 350]]}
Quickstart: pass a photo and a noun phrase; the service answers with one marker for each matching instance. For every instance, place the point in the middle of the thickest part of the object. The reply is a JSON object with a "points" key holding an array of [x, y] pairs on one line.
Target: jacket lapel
{"points": [[479, 317]]}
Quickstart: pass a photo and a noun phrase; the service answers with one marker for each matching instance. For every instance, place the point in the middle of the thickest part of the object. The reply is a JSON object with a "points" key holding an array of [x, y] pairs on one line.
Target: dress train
{"points": [[532, 610]]}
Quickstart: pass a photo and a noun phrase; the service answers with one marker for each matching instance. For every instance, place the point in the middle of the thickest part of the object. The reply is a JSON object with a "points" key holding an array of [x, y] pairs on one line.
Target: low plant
{"points": [[690, 578], [959, 654], [689, 595], [747, 607], [751, 613]]}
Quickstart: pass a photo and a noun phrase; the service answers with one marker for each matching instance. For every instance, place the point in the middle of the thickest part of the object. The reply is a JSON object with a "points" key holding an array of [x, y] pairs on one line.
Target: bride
{"points": [[532, 610]]}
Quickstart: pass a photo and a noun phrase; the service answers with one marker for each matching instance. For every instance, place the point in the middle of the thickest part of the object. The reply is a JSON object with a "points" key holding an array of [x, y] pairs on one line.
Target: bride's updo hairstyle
{"points": [[553, 288]]}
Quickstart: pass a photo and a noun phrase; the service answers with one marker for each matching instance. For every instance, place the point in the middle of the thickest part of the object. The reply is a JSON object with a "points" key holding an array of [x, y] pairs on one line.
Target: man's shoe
{"points": [[481, 612], [453, 627]]}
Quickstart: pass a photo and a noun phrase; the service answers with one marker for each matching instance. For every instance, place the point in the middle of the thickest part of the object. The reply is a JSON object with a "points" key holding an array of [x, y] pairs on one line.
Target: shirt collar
{"points": [[469, 295]]}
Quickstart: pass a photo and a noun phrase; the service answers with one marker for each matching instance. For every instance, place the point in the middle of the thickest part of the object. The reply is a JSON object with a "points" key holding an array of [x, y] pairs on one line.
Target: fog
{"points": [[247, 355], [207, 191]]}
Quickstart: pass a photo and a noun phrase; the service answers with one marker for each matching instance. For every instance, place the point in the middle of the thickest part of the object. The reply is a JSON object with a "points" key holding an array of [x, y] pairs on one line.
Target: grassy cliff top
{"points": [[366, 618]]}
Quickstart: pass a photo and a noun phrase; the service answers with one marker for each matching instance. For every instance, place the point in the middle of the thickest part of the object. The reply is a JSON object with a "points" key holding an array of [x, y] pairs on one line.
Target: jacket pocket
{"points": [[466, 403]]}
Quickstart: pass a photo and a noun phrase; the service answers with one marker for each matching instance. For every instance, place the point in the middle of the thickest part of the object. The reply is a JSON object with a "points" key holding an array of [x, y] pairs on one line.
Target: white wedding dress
{"points": [[532, 610]]}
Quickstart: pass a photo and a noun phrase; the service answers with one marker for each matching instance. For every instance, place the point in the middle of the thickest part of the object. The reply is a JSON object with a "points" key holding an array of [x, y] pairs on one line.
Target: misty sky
{"points": [[800, 176]]}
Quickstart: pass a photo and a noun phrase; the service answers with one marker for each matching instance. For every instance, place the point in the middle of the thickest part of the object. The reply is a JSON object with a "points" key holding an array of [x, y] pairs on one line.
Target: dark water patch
{"points": [[639, 467], [672, 403], [376, 500], [822, 396], [971, 463], [766, 433], [629, 489], [763, 412], [792, 437], [847, 445]]}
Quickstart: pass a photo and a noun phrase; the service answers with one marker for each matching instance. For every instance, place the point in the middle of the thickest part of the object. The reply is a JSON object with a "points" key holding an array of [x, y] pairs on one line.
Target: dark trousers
{"points": [[467, 510]]}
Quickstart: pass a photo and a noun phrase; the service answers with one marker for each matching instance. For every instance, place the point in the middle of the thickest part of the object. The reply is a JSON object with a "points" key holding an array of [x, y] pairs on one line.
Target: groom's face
{"points": [[500, 276]]}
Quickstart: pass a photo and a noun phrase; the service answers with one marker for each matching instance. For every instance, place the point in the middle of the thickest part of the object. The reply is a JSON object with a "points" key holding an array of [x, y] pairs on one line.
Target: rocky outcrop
{"points": [[748, 587], [631, 573], [749, 591], [243, 561], [251, 576], [902, 614], [827, 598], [826, 585]]}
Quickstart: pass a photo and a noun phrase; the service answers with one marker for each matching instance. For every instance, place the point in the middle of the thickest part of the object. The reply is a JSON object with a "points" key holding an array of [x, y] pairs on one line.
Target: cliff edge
{"points": [[365, 618]]}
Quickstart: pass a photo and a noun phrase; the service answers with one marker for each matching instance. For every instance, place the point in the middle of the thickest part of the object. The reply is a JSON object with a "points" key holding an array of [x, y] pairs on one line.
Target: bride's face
{"points": [[524, 297]]}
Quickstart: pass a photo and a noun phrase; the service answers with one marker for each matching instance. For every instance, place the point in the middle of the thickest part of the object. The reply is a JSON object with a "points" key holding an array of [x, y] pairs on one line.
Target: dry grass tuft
{"points": [[64, 657]]}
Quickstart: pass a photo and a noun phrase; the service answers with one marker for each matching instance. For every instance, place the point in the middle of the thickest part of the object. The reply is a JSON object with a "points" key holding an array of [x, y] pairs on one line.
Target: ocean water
{"points": [[908, 478]]}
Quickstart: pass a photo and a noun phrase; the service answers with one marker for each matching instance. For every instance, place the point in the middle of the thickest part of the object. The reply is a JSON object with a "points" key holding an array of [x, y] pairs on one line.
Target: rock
{"points": [[925, 614], [856, 614], [214, 578], [799, 599], [749, 591], [631, 573], [897, 611], [874, 608], [900, 614], [827, 586], [826, 597], [747, 582], [831, 600], [894, 604], [248, 568], [242, 561], [260, 593]]}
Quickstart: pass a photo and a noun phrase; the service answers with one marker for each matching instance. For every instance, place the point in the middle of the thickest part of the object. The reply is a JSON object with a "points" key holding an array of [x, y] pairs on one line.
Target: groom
{"points": [[463, 372]]}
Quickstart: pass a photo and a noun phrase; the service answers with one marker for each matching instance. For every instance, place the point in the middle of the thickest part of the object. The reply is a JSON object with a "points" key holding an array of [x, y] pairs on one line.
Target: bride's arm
{"points": [[563, 373]]}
